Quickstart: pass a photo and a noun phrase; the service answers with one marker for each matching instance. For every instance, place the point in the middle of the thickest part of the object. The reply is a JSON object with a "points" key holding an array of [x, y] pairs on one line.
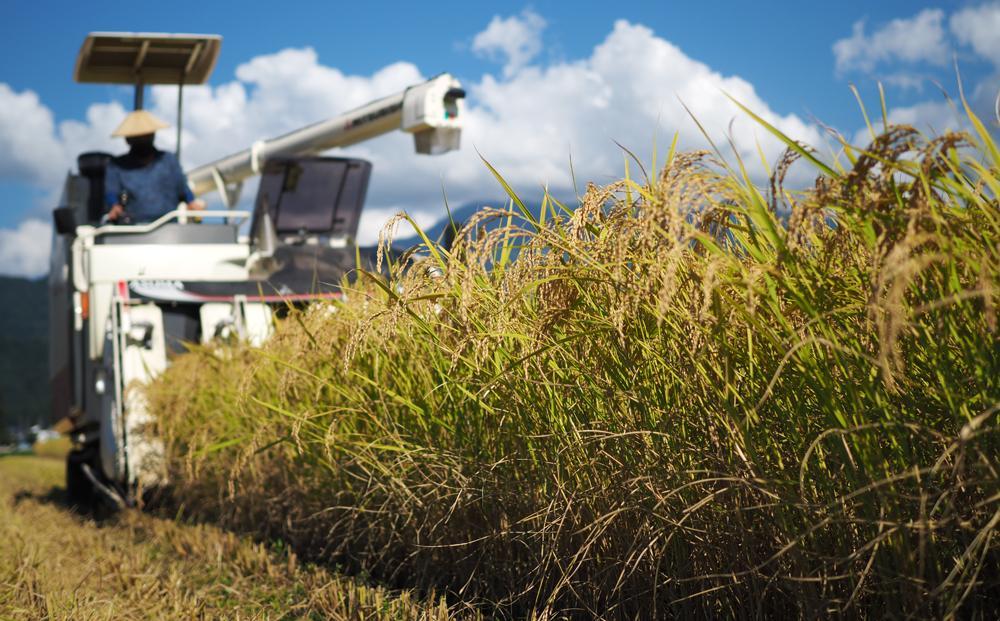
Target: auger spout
{"points": [[431, 111]]}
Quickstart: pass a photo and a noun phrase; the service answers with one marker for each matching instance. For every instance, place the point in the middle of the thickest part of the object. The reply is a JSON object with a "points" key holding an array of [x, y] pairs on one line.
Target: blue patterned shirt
{"points": [[151, 190]]}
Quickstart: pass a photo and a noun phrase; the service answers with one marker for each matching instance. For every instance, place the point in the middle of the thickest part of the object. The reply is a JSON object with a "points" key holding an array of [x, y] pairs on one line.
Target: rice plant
{"points": [[685, 396]]}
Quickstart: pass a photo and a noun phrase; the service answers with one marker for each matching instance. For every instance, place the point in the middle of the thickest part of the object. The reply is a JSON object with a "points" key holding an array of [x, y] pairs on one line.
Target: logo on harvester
{"points": [[164, 290], [141, 286]]}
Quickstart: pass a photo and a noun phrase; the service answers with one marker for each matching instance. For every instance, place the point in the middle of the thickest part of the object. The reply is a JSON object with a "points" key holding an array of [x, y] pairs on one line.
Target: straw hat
{"points": [[138, 123]]}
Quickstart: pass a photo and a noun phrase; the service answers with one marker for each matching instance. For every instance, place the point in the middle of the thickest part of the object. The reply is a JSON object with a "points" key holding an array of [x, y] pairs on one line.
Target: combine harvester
{"points": [[123, 299]]}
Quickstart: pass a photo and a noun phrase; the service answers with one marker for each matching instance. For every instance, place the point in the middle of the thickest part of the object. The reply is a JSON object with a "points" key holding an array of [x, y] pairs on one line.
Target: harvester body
{"points": [[124, 299]]}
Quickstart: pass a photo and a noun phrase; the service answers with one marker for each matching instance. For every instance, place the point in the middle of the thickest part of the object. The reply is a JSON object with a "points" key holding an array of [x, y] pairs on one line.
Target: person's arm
{"points": [[112, 192]]}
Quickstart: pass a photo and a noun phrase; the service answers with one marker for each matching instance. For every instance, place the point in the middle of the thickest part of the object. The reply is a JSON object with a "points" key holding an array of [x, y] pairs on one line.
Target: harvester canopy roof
{"points": [[147, 58]]}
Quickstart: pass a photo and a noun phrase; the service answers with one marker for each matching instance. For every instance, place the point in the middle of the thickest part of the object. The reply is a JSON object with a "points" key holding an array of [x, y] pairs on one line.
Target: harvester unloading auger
{"points": [[123, 297]]}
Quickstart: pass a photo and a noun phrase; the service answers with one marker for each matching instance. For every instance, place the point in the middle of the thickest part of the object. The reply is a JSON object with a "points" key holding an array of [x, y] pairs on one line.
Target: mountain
{"points": [[460, 216], [24, 370]]}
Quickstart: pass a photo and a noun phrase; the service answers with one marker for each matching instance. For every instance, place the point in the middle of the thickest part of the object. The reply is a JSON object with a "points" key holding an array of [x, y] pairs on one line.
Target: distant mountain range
{"points": [[24, 383]]}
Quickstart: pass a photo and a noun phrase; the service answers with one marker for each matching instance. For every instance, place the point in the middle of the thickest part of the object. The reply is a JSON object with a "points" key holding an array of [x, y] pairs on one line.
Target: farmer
{"points": [[145, 183]]}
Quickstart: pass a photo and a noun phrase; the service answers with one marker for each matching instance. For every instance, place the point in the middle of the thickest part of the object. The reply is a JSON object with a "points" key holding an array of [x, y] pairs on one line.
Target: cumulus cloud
{"points": [[28, 145], [932, 117], [526, 122], [36, 150], [632, 84], [905, 81], [516, 39], [979, 28], [920, 38], [24, 251]]}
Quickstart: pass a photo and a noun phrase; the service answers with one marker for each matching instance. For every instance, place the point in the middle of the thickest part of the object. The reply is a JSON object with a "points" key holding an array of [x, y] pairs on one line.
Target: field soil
{"points": [[58, 564]]}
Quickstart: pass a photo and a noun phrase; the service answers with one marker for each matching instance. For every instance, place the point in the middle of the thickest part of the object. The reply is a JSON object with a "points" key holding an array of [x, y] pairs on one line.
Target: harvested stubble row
{"points": [[57, 565], [687, 396]]}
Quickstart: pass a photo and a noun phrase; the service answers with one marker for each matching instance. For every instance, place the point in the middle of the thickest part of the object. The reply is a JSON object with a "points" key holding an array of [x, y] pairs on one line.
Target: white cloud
{"points": [[920, 38], [979, 27], [517, 38], [931, 117], [526, 123], [905, 81], [27, 142], [24, 251], [35, 150], [629, 88]]}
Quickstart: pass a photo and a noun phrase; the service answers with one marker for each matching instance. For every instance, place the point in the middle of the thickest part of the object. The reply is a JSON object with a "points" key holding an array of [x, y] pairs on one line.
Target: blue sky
{"points": [[545, 79]]}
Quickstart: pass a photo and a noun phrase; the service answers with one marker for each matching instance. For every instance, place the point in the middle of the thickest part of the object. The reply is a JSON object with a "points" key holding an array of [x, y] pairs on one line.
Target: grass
{"points": [[56, 448], [57, 565], [687, 396]]}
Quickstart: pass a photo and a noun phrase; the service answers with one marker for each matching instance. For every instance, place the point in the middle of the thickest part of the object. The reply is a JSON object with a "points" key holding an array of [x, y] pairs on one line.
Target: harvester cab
{"points": [[124, 298]]}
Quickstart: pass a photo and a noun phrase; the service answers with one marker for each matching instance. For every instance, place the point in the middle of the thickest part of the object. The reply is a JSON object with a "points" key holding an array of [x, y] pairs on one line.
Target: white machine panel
{"points": [[215, 262]]}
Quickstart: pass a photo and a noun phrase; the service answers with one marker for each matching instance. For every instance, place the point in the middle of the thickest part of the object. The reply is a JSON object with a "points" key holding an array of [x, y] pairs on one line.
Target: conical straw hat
{"points": [[138, 123]]}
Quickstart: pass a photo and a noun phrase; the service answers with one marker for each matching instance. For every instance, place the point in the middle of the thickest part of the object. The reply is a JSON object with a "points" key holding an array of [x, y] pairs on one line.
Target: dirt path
{"points": [[55, 564]]}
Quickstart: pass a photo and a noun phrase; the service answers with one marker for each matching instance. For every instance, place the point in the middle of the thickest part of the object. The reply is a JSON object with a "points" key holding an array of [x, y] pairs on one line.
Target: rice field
{"points": [[59, 565], [688, 395]]}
